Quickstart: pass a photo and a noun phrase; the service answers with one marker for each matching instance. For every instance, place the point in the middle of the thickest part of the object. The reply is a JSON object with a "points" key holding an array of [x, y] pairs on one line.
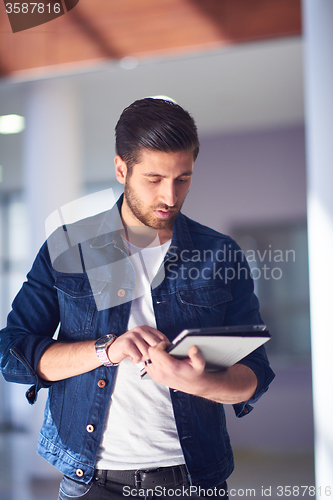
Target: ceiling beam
{"points": [[104, 30]]}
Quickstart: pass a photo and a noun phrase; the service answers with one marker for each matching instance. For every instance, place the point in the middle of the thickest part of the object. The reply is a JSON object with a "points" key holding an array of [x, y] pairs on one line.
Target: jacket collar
{"points": [[110, 228]]}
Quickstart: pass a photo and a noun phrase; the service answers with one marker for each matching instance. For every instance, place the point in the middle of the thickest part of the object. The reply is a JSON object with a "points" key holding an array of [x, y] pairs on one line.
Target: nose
{"points": [[168, 194]]}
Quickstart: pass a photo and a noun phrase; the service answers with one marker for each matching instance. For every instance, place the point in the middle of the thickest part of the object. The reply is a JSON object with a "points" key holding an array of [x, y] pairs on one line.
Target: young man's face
{"points": [[155, 189]]}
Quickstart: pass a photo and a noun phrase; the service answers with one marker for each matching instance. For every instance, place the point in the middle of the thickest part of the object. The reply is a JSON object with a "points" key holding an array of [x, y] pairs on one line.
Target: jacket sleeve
{"points": [[31, 325], [244, 310]]}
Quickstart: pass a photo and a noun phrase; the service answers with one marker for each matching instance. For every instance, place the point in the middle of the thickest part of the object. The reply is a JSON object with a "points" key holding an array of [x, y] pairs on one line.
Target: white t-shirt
{"points": [[140, 429]]}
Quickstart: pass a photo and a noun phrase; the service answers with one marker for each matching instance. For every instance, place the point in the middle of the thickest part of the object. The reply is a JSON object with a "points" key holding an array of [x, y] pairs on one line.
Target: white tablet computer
{"points": [[220, 346]]}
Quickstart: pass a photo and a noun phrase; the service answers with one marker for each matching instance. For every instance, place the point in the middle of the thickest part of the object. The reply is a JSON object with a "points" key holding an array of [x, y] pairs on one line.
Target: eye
{"points": [[184, 179], [154, 182]]}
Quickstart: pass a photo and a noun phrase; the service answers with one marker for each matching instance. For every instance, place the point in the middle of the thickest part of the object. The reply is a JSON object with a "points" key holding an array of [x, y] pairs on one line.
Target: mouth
{"points": [[163, 214]]}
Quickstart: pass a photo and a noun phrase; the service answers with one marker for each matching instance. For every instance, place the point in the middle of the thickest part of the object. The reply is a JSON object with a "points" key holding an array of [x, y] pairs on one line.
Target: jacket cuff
{"points": [[242, 409], [42, 343]]}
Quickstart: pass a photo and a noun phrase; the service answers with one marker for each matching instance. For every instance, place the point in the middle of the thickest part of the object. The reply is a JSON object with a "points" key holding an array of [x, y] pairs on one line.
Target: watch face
{"points": [[104, 340]]}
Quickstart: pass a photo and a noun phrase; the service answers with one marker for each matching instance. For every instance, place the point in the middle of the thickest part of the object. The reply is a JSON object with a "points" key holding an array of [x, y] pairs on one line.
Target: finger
{"points": [[135, 354], [152, 337], [158, 352], [129, 346], [197, 360], [142, 348], [159, 357], [145, 344], [161, 346], [129, 350], [156, 333]]}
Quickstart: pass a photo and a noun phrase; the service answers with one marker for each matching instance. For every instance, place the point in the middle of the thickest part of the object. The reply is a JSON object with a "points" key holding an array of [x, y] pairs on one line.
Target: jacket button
{"points": [[101, 384], [121, 293], [90, 428], [79, 473]]}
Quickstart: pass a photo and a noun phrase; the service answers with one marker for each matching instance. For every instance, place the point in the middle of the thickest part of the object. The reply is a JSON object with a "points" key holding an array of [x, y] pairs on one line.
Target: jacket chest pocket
{"points": [[206, 305], [77, 305]]}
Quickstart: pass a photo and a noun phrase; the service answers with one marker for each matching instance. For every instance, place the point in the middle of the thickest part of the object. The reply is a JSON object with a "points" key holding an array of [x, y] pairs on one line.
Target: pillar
{"points": [[52, 167], [318, 73]]}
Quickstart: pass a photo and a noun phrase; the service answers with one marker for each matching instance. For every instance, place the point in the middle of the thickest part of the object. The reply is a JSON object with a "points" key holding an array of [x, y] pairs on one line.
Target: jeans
{"points": [[71, 490]]}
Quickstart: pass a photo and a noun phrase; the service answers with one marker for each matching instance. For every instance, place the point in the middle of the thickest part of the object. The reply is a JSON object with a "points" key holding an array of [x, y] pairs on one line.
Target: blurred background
{"points": [[237, 67]]}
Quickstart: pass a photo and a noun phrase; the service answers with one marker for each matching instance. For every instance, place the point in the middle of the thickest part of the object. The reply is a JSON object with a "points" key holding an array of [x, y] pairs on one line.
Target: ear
{"points": [[121, 169]]}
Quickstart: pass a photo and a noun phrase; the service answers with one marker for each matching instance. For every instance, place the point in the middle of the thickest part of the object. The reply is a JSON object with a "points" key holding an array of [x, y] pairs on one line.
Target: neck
{"points": [[165, 235], [144, 236]]}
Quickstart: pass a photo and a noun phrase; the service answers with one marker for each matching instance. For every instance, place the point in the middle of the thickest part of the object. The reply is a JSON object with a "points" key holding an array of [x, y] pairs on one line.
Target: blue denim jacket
{"points": [[83, 279]]}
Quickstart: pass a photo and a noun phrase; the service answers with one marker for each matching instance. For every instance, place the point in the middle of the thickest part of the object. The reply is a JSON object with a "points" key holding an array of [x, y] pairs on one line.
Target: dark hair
{"points": [[155, 124]]}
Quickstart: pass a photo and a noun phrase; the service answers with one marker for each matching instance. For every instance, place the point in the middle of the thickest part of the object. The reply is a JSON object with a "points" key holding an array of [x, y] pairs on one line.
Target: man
{"points": [[122, 285]]}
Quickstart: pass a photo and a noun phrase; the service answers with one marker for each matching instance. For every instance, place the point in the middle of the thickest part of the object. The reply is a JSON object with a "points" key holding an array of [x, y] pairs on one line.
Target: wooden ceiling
{"points": [[100, 30]]}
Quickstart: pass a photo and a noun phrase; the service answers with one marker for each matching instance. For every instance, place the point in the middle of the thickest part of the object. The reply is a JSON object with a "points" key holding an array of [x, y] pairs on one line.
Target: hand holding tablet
{"points": [[221, 347]]}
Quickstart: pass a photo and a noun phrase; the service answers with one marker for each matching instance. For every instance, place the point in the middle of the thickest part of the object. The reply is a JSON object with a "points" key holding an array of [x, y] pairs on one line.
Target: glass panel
{"points": [[278, 257]]}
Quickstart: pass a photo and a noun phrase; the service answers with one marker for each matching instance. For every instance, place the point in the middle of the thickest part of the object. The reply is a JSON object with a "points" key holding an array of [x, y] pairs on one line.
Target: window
{"points": [[13, 269]]}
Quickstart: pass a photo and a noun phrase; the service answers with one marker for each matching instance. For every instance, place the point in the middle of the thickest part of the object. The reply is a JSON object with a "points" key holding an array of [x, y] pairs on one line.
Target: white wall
{"points": [[249, 178]]}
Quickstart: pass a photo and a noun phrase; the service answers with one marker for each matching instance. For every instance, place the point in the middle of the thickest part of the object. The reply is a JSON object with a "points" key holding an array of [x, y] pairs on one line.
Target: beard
{"points": [[146, 214]]}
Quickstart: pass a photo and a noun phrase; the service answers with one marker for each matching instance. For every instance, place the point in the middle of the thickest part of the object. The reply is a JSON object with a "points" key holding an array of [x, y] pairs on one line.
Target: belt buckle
{"points": [[137, 476], [137, 479]]}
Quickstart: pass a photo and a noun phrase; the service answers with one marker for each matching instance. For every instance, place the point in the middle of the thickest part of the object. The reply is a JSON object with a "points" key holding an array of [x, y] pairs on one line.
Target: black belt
{"points": [[145, 478]]}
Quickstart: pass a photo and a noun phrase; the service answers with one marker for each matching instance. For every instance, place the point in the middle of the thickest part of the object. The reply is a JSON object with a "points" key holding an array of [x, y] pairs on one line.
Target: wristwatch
{"points": [[101, 346]]}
